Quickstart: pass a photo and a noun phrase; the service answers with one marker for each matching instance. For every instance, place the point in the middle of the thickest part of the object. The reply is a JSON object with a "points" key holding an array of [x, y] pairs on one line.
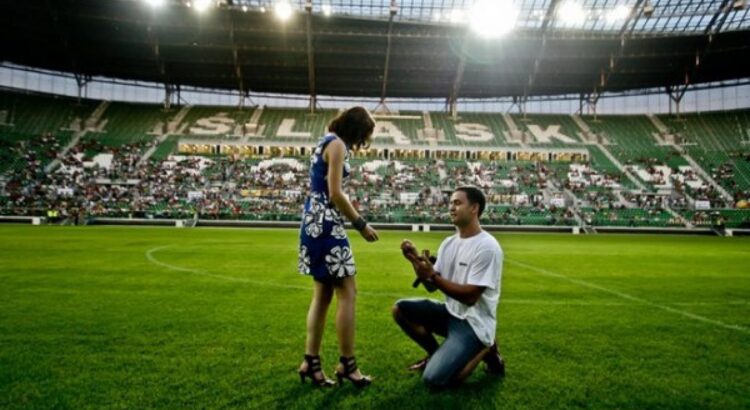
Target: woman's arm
{"points": [[334, 156]]}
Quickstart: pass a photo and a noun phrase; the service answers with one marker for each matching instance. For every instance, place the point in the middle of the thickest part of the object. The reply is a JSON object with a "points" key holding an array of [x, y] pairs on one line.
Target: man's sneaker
{"points": [[419, 366], [494, 362]]}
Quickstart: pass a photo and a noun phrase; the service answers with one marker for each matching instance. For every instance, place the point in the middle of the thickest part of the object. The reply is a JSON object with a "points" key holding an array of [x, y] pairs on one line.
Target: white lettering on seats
{"points": [[473, 132], [215, 125], [388, 130], [285, 130], [546, 136]]}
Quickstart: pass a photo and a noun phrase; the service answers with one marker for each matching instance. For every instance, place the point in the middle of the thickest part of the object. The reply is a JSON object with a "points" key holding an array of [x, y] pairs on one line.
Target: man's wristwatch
{"points": [[429, 283]]}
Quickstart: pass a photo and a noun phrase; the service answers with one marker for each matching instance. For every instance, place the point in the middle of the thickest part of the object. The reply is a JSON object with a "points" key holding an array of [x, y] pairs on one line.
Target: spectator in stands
{"points": [[325, 252], [468, 271]]}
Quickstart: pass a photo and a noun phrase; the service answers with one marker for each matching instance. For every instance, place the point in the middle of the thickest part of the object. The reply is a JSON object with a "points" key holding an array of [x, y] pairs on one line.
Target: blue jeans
{"points": [[460, 346]]}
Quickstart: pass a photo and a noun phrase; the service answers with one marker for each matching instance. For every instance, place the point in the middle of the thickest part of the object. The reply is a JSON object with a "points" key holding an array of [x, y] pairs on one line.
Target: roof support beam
{"points": [[169, 95], [160, 66], [157, 54], [519, 101], [310, 57], [722, 12], [675, 94], [588, 101], [452, 101], [625, 32], [236, 60], [456, 88], [168, 86], [712, 28], [81, 79], [382, 106], [542, 46]]}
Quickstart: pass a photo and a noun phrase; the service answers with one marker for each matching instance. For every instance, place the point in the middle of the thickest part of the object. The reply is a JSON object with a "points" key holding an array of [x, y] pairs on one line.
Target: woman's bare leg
{"points": [[346, 297], [316, 319]]}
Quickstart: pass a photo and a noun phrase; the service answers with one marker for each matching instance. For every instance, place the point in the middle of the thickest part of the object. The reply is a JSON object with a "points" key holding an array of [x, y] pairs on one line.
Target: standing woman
{"points": [[325, 253]]}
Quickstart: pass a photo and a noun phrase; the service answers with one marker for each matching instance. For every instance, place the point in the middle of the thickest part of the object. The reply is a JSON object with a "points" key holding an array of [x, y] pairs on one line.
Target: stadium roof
{"points": [[667, 16], [381, 48]]}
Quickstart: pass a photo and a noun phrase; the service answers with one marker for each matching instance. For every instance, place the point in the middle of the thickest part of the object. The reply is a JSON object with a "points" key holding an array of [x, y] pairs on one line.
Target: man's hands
{"points": [[422, 266], [464, 293], [408, 249]]}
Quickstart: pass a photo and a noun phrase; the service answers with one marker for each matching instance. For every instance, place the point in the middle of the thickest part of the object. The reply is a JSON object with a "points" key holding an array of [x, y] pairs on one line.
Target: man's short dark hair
{"points": [[475, 196]]}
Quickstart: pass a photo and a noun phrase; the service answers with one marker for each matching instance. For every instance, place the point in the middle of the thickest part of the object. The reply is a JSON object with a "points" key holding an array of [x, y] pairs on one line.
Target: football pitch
{"points": [[120, 317]]}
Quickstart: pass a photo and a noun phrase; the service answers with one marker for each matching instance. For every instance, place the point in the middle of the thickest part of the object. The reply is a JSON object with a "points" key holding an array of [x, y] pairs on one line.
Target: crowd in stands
{"points": [[30, 154], [95, 180], [731, 170]]}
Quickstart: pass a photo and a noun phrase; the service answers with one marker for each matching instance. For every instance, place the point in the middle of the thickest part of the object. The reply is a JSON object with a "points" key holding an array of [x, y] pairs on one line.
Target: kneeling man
{"points": [[468, 271]]}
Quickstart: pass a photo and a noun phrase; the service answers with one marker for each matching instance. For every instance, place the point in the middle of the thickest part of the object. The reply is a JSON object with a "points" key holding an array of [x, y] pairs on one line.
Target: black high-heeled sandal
{"points": [[350, 366], [313, 366]]}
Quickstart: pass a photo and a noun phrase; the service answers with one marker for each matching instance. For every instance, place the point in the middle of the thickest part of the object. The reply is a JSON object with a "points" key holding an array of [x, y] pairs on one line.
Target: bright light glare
{"points": [[326, 9], [283, 10], [155, 3], [202, 5], [493, 18], [457, 16], [619, 13], [571, 13]]}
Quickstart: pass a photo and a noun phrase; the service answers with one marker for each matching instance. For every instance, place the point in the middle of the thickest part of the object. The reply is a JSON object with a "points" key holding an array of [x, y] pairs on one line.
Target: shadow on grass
{"points": [[408, 393]]}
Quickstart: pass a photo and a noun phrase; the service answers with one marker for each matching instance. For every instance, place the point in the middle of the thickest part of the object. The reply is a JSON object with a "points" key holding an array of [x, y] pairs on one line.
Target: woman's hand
{"points": [[369, 233]]}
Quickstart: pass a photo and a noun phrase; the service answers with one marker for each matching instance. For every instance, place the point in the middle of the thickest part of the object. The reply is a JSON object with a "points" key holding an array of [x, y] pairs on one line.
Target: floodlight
{"points": [[648, 9], [571, 13], [155, 3], [283, 10], [618, 13], [326, 9], [202, 5], [493, 18]]}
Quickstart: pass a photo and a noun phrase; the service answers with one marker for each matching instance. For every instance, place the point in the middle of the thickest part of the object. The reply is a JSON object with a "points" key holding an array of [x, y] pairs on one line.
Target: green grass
{"points": [[215, 318]]}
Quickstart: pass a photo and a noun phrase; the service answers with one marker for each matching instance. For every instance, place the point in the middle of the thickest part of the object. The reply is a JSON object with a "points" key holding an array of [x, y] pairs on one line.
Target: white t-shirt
{"points": [[477, 260]]}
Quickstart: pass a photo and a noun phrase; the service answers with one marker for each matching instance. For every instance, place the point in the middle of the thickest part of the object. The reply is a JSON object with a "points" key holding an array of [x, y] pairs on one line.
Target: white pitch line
{"points": [[727, 303], [629, 297], [152, 259], [150, 256]]}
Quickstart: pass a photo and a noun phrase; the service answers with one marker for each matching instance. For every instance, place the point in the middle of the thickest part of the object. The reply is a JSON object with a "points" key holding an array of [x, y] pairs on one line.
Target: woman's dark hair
{"points": [[354, 126], [474, 196]]}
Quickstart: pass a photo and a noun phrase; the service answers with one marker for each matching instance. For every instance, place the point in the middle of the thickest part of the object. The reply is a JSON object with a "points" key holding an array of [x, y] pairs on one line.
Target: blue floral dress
{"points": [[324, 250]]}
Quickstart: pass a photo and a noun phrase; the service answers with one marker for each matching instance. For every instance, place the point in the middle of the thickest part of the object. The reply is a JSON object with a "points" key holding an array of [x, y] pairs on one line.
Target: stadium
{"points": [[155, 162]]}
